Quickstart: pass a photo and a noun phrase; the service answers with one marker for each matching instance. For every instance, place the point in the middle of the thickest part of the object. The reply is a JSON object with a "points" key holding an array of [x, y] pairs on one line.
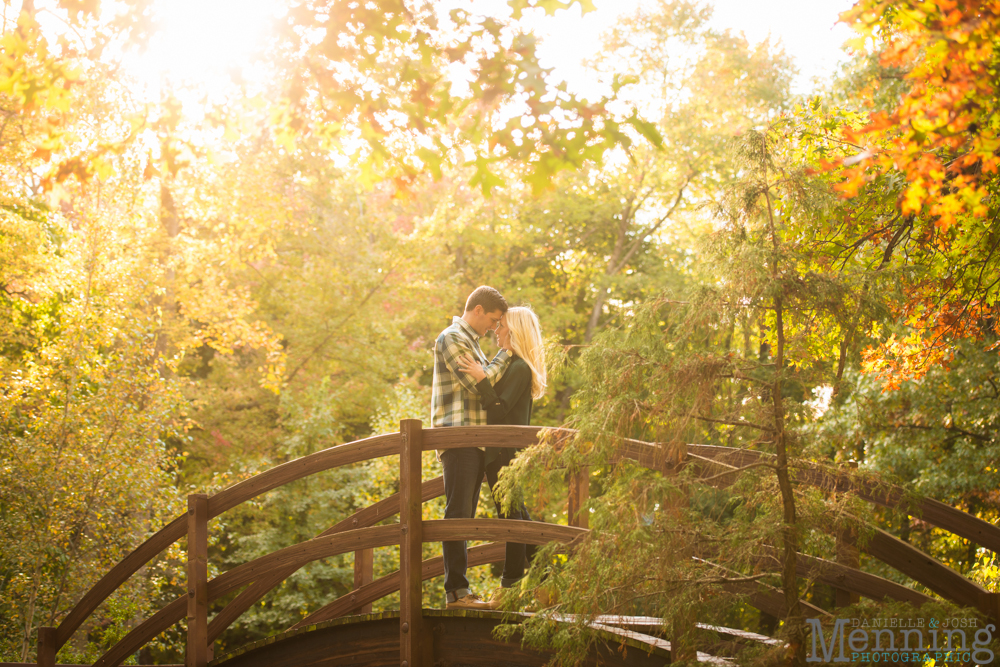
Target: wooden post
{"points": [[197, 585], [364, 572], [46, 653], [411, 544], [990, 606], [579, 493], [847, 554]]}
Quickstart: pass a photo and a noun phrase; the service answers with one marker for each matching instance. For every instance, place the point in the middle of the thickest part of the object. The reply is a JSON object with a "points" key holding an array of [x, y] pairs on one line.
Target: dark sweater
{"points": [[509, 401]]}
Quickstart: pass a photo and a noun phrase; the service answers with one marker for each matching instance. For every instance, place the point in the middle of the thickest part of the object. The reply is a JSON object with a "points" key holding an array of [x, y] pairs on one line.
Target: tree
{"points": [[676, 373], [934, 151], [418, 88], [84, 412]]}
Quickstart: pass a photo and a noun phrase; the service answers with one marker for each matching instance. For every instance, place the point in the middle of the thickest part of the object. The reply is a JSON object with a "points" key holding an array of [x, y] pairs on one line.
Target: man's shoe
{"points": [[470, 601], [496, 599]]}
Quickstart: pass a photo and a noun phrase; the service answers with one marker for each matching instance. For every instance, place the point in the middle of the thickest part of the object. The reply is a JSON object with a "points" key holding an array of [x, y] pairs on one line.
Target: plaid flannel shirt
{"points": [[454, 399]]}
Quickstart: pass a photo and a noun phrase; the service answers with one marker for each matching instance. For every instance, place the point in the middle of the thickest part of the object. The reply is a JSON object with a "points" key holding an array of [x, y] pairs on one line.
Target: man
{"points": [[455, 402]]}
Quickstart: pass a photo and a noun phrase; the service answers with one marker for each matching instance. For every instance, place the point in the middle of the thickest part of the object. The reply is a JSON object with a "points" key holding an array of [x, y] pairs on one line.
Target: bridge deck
{"points": [[453, 638]]}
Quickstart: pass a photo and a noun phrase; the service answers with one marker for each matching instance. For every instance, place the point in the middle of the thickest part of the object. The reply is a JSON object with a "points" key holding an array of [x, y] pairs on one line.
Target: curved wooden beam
{"points": [[457, 437], [368, 516], [764, 597], [500, 530], [527, 532], [925, 570], [441, 530], [430, 568], [302, 553], [651, 455], [143, 633], [932, 511], [117, 576], [848, 578], [354, 452], [334, 457]]}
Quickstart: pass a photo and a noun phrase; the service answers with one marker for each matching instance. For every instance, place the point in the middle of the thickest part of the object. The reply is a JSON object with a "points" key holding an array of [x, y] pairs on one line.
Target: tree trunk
{"points": [[795, 624], [789, 578]]}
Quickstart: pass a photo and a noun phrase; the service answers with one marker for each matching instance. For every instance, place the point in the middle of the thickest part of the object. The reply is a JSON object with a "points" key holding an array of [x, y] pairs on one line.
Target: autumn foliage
{"points": [[936, 150]]}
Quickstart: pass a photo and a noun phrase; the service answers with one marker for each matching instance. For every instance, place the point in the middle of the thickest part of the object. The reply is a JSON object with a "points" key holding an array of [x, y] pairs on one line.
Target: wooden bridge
{"points": [[414, 636]]}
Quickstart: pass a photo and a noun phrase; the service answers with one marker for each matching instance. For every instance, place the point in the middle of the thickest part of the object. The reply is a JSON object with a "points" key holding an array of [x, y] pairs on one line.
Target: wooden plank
{"points": [[197, 581], [364, 572], [411, 545], [363, 518], [117, 576], [500, 530], [932, 511], [847, 554], [654, 456], [143, 633], [579, 493], [298, 555], [333, 457], [46, 650], [960, 523], [989, 604], [361, 450], [457, 437], [922, 568], [430, 568], [767, 599], [848, 578]]}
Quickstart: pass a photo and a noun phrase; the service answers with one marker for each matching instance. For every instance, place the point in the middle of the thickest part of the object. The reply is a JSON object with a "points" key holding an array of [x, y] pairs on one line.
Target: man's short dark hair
{"points": [[487, 297]]}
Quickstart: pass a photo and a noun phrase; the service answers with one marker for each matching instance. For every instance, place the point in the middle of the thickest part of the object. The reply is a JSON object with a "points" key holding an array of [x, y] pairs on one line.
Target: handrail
{"points": [[848, 578], [439, 530], [430, 568], [352, 534], [375, 447], [297, 555], [354, 452], [932, 511], [363, 518], [117, 576]]}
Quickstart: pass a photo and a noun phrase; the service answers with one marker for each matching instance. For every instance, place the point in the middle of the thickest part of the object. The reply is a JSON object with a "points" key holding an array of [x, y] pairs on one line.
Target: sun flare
{"points": [[204, 44]]}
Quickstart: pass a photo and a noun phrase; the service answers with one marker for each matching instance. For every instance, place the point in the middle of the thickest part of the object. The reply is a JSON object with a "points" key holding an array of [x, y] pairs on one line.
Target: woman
{"points": [[510, 402]]}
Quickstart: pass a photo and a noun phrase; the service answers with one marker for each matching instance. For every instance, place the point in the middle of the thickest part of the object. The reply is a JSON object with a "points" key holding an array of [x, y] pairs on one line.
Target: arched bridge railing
{"points": [[358, 533]]}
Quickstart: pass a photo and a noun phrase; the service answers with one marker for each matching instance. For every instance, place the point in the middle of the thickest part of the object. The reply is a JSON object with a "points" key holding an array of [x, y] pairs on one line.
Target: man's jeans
{"points": [[518, 555], [463, 475]]}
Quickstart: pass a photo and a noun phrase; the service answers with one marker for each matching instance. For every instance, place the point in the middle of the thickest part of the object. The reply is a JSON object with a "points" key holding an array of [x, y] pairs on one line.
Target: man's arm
{"points": [[495, 369], [453, 346]]}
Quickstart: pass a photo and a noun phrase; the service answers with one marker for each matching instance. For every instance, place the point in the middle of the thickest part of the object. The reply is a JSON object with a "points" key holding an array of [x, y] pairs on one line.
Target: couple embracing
{"points": [[470, 390]]}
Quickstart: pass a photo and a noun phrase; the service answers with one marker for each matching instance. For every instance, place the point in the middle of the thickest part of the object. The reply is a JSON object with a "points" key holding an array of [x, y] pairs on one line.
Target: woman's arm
{"points": [[516, 381]]}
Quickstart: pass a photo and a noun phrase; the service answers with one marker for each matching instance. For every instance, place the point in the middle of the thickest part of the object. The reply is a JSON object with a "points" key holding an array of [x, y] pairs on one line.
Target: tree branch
{"points": [[339, 324]]}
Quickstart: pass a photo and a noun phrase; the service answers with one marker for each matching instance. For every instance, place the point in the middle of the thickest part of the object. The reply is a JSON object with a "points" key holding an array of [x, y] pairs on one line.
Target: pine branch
{"points": [[732, 423]]}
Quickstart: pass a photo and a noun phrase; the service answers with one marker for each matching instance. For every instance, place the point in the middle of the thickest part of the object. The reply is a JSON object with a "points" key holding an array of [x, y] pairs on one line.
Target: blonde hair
{"points": [[526, 341]]}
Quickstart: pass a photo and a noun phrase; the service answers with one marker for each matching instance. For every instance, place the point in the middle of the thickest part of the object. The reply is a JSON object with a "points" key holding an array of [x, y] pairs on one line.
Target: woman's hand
{"points": [[469, 365]]}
